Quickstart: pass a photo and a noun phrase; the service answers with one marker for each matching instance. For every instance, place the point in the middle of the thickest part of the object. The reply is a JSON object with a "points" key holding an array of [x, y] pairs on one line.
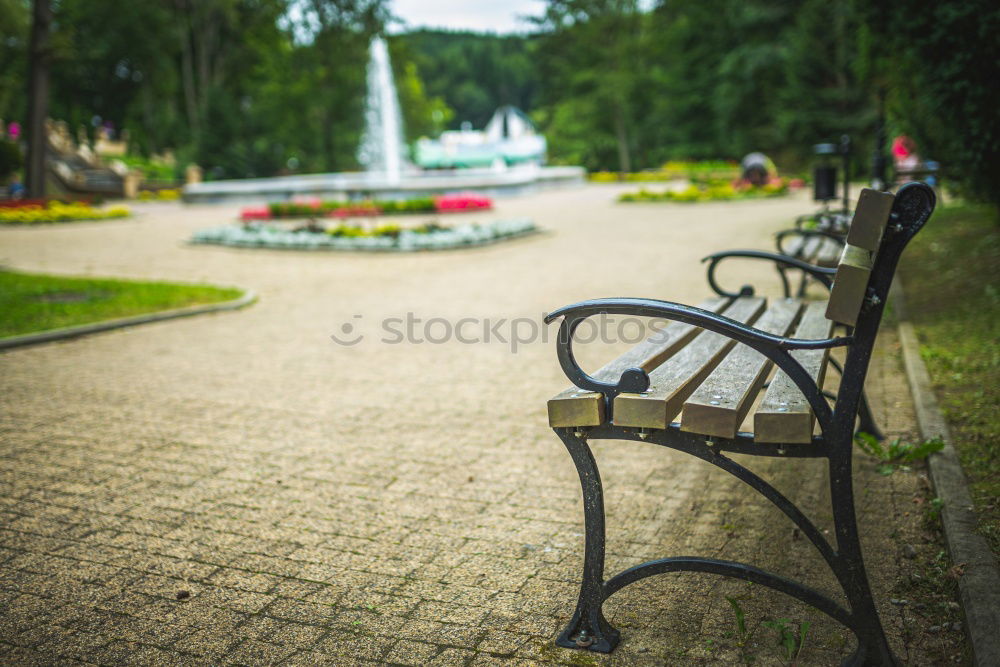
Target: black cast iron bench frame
{"points": [[588, 628]]}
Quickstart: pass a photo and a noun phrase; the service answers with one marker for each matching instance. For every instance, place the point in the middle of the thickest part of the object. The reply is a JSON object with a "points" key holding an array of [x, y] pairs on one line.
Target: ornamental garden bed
{"points": [[711, 191], [465, 203], [385, 237], [161, 194], [39, 211], [672, 171]]}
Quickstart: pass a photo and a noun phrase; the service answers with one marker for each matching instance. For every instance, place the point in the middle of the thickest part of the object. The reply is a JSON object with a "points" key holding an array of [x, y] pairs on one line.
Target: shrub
{"points": [[707, 189], [55, 211], [10, 159]]}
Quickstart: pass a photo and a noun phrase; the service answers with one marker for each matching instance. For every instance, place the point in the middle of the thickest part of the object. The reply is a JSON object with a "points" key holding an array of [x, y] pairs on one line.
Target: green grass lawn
{"points": [[30, 303], [951, 273]]}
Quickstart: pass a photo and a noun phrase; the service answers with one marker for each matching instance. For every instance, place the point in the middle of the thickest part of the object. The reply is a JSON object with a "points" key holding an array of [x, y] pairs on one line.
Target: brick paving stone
{"points": [[406, 652], [400, 504], [450, 657]]}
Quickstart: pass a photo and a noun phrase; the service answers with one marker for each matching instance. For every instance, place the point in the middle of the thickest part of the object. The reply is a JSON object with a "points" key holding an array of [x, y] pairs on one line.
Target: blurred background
{"points": [[249, 88]]}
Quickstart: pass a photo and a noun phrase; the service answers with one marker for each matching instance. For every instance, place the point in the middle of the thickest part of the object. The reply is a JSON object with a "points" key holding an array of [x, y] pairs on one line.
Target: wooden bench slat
{"points": [[794, 248], [811, 248], [723, 400], [578, 407], [675, 380], [784, 414], [829, 253]]}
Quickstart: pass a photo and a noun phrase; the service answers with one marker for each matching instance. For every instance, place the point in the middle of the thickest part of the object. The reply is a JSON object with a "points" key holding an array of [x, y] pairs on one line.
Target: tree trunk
{"points": [[40, 57], [187, 78], [621, 136]]}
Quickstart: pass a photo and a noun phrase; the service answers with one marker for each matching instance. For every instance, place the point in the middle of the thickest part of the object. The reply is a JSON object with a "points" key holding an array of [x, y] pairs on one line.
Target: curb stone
{"points": [[979, 585], [85, 329]]}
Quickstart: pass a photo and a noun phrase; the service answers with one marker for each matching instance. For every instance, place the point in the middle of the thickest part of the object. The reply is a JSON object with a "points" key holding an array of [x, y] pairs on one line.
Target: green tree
{"points": [[338, 33], [604, 79], [473, 73], [940, 62], [423, 115], [15, 17]]}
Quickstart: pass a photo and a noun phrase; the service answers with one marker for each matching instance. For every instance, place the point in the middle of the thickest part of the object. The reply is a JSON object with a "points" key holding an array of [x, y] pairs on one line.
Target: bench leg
{"points": [[866, 421], [873, 647], [588, 629], [803, 285]]}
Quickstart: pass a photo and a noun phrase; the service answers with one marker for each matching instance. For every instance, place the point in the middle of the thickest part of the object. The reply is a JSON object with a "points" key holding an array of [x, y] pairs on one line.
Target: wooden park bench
{"points": [[692, 384]]}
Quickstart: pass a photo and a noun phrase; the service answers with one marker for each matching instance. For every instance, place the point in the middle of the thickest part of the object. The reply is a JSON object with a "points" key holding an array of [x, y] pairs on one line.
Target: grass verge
{"points": [[30, 303], [952, 278]]}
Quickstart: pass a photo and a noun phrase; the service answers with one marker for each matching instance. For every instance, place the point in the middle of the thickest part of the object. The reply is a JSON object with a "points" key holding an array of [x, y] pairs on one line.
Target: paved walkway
{"points": [[239, 488]]}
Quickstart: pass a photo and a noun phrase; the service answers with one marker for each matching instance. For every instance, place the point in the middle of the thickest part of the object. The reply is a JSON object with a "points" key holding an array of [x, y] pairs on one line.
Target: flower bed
{"points": [[430, 236], [710, 191], [672, 170], [342, 209], [31, 212]]}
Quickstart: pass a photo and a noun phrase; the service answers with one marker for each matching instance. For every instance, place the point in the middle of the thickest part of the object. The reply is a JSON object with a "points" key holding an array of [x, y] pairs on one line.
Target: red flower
{"points": [[259, 213], [462, 202]]}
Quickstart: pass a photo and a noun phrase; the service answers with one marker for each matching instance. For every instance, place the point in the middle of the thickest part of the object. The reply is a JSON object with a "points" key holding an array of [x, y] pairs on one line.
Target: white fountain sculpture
{"points": [[382, 150]]}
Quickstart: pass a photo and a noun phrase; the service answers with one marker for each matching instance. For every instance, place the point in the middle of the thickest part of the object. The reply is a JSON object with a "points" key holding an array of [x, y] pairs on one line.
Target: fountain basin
{"points": [[359, 185]]}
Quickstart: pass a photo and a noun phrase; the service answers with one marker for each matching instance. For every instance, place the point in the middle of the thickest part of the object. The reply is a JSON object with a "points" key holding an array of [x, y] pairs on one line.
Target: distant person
{"points": [[14, 130], [904, 154], [16, 188], [757, 169]]}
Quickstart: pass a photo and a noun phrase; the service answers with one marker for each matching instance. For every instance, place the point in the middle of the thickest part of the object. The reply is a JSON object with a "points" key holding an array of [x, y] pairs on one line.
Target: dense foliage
{"points": [[242, 87], [940, 63], [694, 79], [260, 87], [475, 73]]}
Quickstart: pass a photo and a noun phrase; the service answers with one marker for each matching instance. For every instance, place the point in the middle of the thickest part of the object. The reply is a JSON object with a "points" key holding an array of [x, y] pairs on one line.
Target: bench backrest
{"points": [[850, 284]]}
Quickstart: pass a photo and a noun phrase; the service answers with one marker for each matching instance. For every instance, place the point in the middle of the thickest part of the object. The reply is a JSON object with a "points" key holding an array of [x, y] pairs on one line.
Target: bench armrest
{"points": [[782, 262], [635, 380]]}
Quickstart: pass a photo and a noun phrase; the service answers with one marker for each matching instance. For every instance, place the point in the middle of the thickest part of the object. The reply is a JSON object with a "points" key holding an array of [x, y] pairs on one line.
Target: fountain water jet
{"points": [[383, 149]]}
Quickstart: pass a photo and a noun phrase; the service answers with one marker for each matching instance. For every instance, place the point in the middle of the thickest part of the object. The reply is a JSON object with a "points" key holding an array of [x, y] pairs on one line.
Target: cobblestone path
{"points": [[237, 488]]}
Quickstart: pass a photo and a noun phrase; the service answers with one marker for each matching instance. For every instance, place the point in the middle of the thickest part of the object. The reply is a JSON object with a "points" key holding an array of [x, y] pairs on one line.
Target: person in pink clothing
{"points": [[904, 153]]}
